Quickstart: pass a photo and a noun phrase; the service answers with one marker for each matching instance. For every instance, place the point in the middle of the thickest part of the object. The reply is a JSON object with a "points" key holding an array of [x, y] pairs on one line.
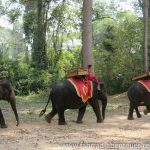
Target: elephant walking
{"points": [[64, 96], [7, 93], [138, 95]]}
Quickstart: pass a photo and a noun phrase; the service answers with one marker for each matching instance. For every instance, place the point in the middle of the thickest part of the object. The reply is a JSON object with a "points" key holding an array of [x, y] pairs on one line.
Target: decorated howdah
{"points": [[143, 75], [77, 72]]}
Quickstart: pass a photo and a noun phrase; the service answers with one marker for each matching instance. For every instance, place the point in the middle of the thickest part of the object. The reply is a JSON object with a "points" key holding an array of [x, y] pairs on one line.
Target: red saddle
{"points": [[146, 83], [84, 88]]}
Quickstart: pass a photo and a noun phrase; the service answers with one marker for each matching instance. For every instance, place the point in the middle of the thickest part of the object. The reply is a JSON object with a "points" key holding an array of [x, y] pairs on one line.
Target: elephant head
{"points": [[7, 93]]}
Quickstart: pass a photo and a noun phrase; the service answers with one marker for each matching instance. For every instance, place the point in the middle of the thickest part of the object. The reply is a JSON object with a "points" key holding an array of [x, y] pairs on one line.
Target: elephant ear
{"points": [[102, 90], [5, 94], [100, 94], [102, 87]]}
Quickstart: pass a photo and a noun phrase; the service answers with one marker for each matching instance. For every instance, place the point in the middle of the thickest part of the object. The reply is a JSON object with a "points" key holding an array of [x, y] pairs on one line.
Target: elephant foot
{"points": [[79, 121], [62, 123], [145, 111], [139, 116], [4, 126], [130, 118], [47, 119], [99, 121]]}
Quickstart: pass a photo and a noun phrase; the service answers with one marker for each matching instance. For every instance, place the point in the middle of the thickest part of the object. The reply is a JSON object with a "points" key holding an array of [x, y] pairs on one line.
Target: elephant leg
{"points": [[95, 105], [61, 117], [2, 121], [147, 110], [138, 113], [49, 116], [81, 114], [130, 115]]}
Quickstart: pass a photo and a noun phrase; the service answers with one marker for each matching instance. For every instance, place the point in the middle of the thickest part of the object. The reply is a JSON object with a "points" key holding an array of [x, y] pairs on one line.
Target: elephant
{"points": [[64, 96], [7, 93], [138, 95]]}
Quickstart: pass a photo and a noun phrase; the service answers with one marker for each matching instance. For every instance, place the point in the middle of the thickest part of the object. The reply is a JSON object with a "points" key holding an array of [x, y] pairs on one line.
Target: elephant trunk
{"points": [[104, 104], [103, 97], [13, 105]]}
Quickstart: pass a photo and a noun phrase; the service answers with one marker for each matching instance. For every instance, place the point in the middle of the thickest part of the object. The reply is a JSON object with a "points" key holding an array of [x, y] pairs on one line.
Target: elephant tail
{"points": [[44, 110]]}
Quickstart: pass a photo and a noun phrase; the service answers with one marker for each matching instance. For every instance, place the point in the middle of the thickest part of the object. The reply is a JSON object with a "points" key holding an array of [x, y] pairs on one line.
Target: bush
{"points": [[35, 81]]}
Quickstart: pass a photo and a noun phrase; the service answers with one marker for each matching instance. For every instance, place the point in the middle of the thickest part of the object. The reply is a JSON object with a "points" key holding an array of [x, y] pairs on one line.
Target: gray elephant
{"points": [[7, 93], [64, 96], [138, 95]]}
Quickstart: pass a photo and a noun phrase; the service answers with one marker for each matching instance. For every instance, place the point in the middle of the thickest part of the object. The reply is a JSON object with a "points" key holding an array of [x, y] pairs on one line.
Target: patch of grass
{"points": [[118, 104], [33, 100], [30, 106]]}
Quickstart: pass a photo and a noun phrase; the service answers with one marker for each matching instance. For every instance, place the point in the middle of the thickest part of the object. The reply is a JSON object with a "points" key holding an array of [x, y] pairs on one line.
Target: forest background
{"points": [[44, 42]]}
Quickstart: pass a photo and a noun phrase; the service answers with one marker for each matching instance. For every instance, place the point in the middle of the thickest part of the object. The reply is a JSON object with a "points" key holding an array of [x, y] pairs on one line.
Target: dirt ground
{"points": [[115, 133]]}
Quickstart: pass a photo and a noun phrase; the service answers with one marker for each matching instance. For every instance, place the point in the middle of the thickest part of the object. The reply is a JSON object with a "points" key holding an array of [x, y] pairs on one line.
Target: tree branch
{"points": [[102, 17]]}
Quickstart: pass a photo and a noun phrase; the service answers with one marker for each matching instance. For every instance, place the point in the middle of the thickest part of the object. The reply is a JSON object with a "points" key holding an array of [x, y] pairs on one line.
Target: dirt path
{"points": [[36, 134]]}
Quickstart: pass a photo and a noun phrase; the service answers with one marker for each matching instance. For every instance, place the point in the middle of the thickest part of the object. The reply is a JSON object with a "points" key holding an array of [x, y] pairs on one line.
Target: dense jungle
{"points": [[40, 40]]}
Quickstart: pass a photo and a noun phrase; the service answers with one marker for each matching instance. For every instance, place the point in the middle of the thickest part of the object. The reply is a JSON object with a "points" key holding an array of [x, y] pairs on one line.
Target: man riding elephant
{"points": [[65, 95]]}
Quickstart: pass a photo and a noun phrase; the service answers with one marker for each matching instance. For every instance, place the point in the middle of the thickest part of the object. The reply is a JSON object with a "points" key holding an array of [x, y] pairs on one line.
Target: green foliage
{"points": [[10, 9], [118, 54], [35, 81], [14, 14], [3, 72], [117, 45], [67, 61], [29, 25], [27, 80]]}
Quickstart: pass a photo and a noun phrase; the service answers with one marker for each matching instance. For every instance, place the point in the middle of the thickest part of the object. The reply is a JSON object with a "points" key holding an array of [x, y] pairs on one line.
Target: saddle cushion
{"points": [[146, 83], [84, 88]]}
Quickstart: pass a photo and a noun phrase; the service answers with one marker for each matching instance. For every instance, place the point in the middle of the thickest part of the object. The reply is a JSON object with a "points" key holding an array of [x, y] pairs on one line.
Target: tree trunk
{"points": [[144, 4], [29, 7], [146, 7], [39, 56], [87, 53], [149, 34]]}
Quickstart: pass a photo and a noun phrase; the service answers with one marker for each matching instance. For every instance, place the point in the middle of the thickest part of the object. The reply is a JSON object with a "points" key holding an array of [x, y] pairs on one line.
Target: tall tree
{"points": [[39, 41], [35, 24], [149, 34], [145, 8], [87, 53]]}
